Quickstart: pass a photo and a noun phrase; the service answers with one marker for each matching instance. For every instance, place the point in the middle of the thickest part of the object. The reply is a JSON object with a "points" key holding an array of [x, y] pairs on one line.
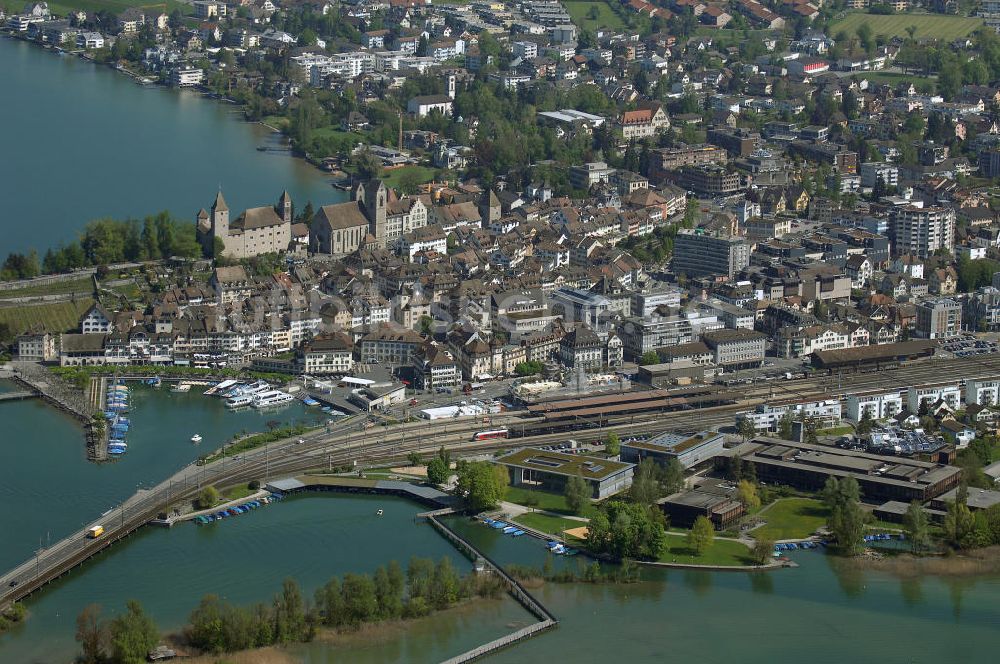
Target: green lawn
{"points": [[236, 492], [336, 132], [792, 518], [553, 525], [836, 431], [928, 25], [81, 285], [919, 82], [579, 10], [276, 121], [392, 177], [57, 317], [722, 552], [550, 502]]}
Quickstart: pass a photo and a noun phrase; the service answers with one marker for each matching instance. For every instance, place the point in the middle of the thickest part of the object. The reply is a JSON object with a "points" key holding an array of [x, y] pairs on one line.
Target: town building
{"points": [[807, 467], [697, 253], [737, 349], [550, 470], [938, 318], [689, 449]]}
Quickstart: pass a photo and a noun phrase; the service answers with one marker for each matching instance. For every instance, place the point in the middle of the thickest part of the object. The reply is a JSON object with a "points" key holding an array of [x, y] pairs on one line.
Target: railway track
{"points": [[348, 444]]}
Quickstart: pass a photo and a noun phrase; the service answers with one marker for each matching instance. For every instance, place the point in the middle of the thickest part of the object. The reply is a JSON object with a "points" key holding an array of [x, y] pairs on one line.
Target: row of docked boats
{"points": [[259, 394], [505, 528], [236, 510], [116, 404], [557, 548]]}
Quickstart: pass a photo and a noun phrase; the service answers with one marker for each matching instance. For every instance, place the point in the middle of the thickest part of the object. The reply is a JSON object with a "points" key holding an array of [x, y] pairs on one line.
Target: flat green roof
{"points": [[560, 463], [673, 443]]}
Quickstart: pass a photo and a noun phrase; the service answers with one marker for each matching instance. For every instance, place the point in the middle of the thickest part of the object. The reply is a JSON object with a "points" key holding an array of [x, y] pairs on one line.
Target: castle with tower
{"points": [[256, 231]]}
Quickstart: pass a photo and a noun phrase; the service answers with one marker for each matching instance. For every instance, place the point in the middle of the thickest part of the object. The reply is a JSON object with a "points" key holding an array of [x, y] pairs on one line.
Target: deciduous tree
{"points": [[762, 551], [577, 494], [483, 484], [91, 634], [917, 528], [133, 634], [701, 535], [613, 444], [746, 493]]}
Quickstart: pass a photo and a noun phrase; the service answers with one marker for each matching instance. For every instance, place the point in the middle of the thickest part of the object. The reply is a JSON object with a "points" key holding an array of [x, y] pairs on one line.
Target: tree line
{"points": [[106, 241], [343, 603]]}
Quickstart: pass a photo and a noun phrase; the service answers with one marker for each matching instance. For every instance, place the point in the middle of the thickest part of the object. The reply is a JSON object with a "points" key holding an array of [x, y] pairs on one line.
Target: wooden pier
{"points": [[545, 619]]}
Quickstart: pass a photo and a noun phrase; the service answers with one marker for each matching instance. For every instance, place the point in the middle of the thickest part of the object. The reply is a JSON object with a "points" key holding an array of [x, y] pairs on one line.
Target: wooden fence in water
{"points": [[545, 619]]}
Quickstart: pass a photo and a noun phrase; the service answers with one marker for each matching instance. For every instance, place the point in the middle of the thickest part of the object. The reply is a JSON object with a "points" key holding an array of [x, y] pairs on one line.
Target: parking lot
{"points": [[968, 345]]}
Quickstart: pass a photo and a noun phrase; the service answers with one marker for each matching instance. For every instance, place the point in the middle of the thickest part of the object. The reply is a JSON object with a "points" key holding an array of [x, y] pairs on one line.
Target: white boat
{"points": [[222, 387], [379, 513], [196, 438], [181, 387], [255, 388], [239, 401], [271, 398]]}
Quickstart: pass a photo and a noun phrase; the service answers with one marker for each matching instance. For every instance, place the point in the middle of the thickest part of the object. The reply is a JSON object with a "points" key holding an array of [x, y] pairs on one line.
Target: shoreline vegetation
{"points": [[12, 616], [362, 637], [79, 376], [343, 605], [203, 91], [253, 441], [974, 562]]}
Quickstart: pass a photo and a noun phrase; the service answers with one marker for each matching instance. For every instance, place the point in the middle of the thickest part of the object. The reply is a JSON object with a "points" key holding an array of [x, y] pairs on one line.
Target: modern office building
{"points": [[938, 318], [690, 449], [697, 254], [549, 470], [881, 478]]}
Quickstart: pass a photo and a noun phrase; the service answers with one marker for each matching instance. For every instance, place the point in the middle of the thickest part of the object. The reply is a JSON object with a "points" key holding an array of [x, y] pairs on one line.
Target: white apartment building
{"points": [[950, 393], [922, 230], [871, 172], [302, 325], [982, 392], [183, 77], [767, 417], [878, 405]]}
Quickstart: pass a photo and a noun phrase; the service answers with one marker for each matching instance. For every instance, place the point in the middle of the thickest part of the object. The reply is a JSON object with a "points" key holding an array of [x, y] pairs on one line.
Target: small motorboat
{"points": [[196, 438], [379, 513]]}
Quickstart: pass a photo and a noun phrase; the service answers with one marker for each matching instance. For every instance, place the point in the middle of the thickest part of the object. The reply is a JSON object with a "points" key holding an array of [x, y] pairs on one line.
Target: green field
{"points": [[57, 317], [554, 525], [791, 518], [606, 17], [928, 25], [722, 552]]}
